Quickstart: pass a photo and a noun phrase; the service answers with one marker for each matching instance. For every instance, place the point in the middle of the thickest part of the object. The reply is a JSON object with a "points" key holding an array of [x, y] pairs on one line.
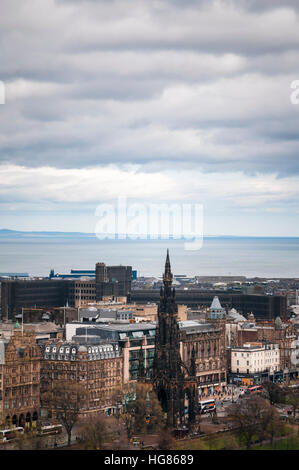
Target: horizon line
{"points": [[52, 232]]}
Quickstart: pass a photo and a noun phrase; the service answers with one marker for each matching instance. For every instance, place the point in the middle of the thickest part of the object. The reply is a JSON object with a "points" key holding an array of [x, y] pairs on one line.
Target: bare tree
{"points": [[274, 424], [145, 410], [93, 432], [29, 441], [274, 392], [128, 421], [251, 417], [166, 440], [65, 401], [292, 399]]}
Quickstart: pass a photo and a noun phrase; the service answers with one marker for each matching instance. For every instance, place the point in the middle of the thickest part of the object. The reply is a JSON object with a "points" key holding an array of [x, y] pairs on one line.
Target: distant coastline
{"points": [[24, 234], [38, 252]]}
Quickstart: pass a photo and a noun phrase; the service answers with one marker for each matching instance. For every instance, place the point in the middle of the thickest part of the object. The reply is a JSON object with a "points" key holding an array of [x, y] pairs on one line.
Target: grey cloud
{"points": [[113, 66]]}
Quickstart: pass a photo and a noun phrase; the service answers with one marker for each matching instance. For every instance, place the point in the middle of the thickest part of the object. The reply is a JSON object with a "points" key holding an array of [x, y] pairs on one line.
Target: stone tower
{"points": [[168, 376]]}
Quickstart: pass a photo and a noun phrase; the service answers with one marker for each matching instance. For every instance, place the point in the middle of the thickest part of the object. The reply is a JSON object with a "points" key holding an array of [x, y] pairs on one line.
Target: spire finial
{"points": [[167, 277]]}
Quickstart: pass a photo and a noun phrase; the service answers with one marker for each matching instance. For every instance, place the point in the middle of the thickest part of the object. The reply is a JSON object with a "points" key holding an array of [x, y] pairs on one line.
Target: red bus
{"points": [[254, 389]]}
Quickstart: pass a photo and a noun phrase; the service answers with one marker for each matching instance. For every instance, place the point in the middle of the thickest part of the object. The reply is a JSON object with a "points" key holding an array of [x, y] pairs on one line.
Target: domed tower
{"points": [[251, 317], [217, 312]]}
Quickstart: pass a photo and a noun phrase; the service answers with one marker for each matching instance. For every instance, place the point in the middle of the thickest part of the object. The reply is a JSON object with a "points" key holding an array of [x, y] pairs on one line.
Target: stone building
{"points": [[98, 368], [285, 335], [208, 342], [254, 363], [141, 312], [20, 380], [58, 315], [130, 337], [240, 331]]}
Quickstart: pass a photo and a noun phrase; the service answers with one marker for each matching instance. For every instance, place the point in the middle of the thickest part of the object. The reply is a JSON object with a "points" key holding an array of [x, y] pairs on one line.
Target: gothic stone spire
{"points": [[167, 276], [168, 375]]}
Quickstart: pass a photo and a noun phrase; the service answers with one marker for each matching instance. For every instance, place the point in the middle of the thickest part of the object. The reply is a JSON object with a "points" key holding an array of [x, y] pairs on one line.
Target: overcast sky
{"points": [[161, 101]]}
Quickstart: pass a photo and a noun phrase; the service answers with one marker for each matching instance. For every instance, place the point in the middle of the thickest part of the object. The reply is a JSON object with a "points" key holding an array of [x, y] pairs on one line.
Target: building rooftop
{"points": [[69, 351], [193, 326], [119, 326], [255, 346], [41, 327]]}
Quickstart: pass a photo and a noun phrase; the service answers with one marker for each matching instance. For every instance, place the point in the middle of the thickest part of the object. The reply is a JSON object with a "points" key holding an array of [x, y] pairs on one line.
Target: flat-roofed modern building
{"points": [[264, 307], [16, 294]]}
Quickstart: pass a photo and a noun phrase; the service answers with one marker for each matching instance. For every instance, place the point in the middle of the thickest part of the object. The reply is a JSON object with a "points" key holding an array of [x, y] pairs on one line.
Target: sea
{"points": [[38, 253]]}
